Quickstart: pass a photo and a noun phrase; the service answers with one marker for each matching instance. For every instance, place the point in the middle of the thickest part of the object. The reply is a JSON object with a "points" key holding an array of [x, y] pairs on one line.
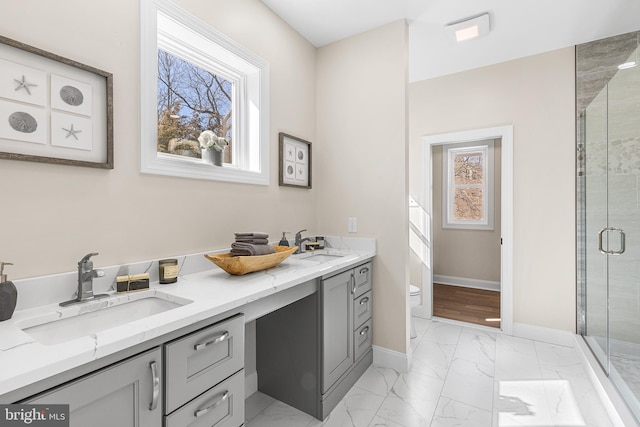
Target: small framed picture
{"points": [[295, 161], [53, 109]]}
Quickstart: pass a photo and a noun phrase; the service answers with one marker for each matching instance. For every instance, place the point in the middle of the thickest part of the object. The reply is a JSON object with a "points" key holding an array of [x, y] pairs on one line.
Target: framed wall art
{"points": [[53, 109], [295, 161]]}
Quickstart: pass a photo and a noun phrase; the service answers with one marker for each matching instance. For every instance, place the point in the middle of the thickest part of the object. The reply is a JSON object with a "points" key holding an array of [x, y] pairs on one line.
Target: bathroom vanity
{"points": [[186, 364], [310, 353]]}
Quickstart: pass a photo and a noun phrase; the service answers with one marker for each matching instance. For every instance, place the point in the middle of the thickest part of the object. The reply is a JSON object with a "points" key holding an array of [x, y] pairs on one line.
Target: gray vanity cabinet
{"points": [[337, 327], [346, 305], [125, 394], [311, 352]]}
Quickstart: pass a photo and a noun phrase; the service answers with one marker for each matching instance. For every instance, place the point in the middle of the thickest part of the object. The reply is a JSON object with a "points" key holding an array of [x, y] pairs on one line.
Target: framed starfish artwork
{"points": [[53, 109], [295, 161]]}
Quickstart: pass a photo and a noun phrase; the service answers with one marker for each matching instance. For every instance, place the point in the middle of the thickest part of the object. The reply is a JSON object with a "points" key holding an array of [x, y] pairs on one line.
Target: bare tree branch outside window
{"points": [[468, 180], [190, 101]]}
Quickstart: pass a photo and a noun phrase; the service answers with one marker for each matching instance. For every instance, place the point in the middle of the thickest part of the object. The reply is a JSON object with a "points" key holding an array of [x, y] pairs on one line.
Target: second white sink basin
{"points": [[95, 316], [321, 255]]}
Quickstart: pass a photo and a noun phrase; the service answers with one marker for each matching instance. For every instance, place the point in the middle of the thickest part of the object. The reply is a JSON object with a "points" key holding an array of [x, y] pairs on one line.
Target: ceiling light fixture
{"points": [[631, 64], [469, 28]]}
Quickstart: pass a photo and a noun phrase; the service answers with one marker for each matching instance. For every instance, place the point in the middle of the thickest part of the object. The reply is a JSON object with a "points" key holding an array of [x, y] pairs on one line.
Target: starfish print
{"points": [[23, 84], [71, 132]]}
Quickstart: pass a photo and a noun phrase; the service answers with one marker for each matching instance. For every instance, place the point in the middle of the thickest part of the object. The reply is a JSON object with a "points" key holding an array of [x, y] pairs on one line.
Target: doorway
{"points": [[464, 140]]}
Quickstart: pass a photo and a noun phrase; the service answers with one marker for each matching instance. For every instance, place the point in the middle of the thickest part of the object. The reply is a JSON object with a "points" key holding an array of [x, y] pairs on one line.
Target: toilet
{"points": [[414, 300]]}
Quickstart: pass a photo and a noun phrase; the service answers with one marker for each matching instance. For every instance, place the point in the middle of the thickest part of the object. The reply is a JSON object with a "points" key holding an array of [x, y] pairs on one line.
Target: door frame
{"points": [[505, 133]]}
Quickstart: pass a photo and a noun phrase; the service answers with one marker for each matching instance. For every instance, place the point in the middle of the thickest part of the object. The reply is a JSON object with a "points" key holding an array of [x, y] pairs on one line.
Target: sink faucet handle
{"points": [[298, 233], [86, 257]]}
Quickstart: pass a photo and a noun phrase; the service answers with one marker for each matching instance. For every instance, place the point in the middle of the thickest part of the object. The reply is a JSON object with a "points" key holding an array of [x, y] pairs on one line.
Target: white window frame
{"points": [[449, 152], [166, 26]]}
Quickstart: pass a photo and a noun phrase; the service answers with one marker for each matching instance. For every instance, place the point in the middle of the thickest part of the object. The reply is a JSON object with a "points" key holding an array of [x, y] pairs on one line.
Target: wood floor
{"points": [[466, 304]]}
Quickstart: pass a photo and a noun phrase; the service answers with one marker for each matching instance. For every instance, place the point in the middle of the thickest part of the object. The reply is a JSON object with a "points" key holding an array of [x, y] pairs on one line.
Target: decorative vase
{"points": [[212, 156], [8, 300], [217, 157]]}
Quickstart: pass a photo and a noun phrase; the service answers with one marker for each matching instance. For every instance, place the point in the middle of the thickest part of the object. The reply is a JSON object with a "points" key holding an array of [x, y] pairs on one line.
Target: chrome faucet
{"points": [[299, 242], [86, 274]]}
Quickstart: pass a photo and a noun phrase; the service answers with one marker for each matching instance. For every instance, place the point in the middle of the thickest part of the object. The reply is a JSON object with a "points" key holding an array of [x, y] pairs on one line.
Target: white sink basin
{"points": [[88, 318], [321, 256]]}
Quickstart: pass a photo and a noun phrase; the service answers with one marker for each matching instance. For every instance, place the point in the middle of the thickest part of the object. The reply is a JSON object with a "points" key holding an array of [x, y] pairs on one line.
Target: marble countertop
{"points": [[25, 360]]}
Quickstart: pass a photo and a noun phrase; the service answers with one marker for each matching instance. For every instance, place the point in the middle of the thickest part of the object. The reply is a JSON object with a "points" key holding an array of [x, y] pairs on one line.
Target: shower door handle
{"points": [[622, 241]]}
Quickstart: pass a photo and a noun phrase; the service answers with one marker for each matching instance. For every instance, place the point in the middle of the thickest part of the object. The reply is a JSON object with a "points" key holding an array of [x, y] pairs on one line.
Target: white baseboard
{"points": [[548, 335], [386, 358], [466, 282], [250, 384]]}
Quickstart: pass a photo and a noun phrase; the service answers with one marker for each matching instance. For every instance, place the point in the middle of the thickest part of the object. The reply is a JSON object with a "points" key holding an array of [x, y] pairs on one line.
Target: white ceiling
{"points": [[519, 28]]}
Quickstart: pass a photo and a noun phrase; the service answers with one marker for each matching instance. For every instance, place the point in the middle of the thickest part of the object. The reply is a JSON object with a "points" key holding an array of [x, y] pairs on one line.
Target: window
{"points": [[468, 186], [194, 80]]}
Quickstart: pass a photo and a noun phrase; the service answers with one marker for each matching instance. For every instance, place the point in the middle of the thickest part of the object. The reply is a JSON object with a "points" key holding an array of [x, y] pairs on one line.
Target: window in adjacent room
{"points": [[197, 84], [468, 186]]}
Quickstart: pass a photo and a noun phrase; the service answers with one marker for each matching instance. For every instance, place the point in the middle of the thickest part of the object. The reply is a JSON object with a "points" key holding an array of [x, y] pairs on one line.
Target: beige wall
{"points": [[53, 215], [537, 96], [362, 170], [468, 254]]}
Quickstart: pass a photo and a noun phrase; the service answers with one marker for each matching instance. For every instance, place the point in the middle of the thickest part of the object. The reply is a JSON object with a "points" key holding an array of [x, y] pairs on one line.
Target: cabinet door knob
{"points": [[203, 411], [215, 340], [155, 377]]}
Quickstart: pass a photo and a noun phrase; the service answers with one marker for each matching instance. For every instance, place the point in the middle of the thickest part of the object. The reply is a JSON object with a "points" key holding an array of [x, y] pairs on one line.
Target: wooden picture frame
{"points": [[294, 161], [53, 109]]}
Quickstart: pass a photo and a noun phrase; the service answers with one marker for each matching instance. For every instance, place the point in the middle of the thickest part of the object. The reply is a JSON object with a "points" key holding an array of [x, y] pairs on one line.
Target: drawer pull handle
{"points": [[218, 338], [364, 300], [364, 270], [353, 286], [364, 331], [201, 412], [156, 385]]}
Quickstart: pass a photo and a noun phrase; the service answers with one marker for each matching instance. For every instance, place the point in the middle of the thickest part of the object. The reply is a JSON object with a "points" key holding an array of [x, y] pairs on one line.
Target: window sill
{"points": [[196, 169]]}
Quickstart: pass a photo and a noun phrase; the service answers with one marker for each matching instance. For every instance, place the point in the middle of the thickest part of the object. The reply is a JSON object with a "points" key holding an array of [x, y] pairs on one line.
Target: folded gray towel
{"points": [[248, 249], [255, 235], [253, 241]]}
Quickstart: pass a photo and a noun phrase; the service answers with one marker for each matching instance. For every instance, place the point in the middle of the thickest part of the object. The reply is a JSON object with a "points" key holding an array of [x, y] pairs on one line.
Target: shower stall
{"points": [[608, 207]]}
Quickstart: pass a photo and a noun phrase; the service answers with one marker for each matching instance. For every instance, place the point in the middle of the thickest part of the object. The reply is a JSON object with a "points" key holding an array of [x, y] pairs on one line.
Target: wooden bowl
{"points": [[239, 265]]}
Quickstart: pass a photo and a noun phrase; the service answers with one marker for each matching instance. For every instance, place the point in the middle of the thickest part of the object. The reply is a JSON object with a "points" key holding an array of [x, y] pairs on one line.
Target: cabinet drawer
{"points": [[362, 275], [362, 339], [222, 406], [362, 309], [200, 360]]}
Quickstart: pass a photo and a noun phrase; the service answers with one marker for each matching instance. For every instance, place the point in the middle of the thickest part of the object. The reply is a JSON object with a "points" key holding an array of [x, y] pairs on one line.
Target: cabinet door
{"points": [[221, 406], [337, 327], [362, 277], [126, 394], [362, 309], [202, 359]]}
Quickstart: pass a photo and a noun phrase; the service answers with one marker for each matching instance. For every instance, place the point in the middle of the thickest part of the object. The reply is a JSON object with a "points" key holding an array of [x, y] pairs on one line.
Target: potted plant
{"points": [[212, 147]]}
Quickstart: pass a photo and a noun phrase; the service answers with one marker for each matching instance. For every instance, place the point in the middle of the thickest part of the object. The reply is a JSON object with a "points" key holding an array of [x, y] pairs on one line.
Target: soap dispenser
{"points": [[283, 240], [8, 294]]}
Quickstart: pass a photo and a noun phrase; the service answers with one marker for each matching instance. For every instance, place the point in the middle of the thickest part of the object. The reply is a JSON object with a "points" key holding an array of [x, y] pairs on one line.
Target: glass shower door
{"points": [[624, 234], [609, 216]]}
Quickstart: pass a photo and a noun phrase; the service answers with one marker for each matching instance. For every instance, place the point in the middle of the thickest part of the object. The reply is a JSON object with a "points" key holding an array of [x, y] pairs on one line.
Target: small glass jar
{"points": [[168, 270]]}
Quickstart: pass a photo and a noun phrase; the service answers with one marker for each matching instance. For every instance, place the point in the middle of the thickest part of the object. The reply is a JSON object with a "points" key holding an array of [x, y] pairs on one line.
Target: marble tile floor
{"points": [[461, 376]]}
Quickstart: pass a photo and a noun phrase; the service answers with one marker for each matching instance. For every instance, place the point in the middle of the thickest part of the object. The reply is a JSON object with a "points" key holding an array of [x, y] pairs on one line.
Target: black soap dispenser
{"points": [[8, 294], [283, 240]]}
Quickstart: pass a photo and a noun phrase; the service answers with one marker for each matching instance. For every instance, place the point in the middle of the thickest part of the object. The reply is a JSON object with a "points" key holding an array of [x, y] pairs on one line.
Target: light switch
{"points": [[353, 225]]}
